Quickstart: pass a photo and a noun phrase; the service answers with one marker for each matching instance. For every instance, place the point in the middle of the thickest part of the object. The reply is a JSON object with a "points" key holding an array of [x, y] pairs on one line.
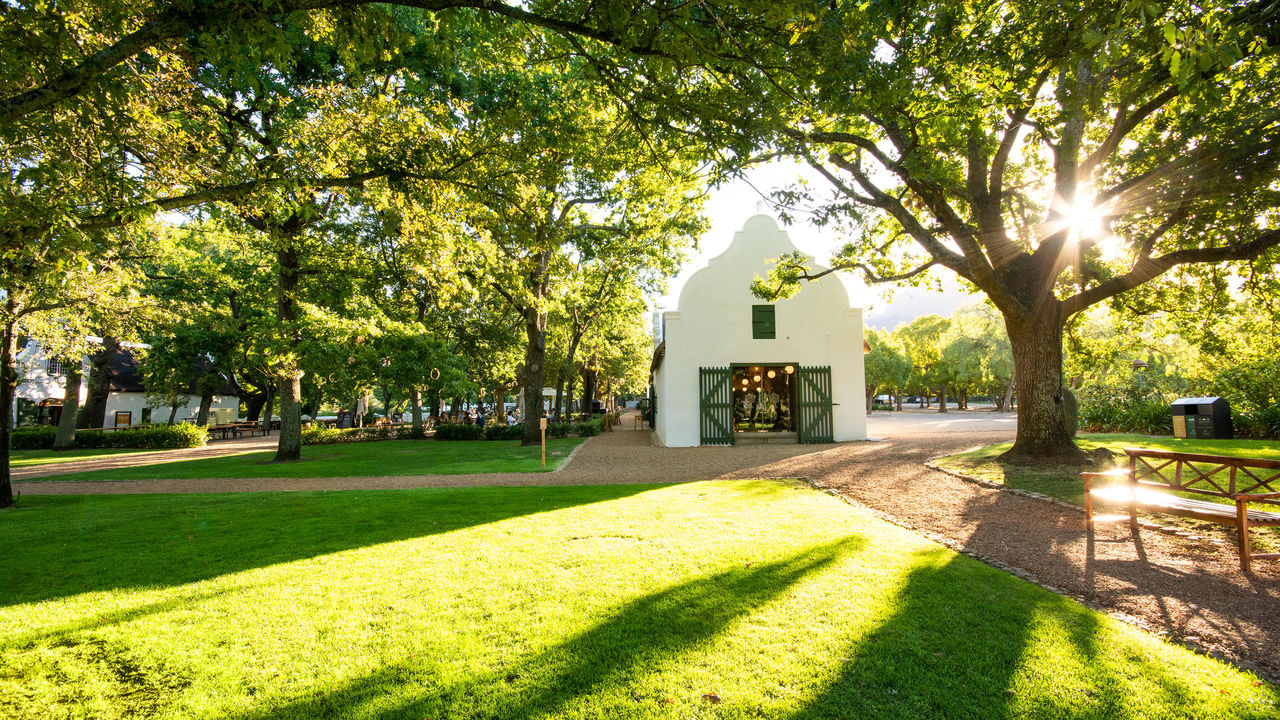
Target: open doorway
{"points": [[764, 398]]}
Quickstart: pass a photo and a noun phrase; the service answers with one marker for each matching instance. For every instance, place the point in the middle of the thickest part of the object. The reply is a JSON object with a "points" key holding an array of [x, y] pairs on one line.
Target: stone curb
{"points": [[1031, 578], [572, 452]]}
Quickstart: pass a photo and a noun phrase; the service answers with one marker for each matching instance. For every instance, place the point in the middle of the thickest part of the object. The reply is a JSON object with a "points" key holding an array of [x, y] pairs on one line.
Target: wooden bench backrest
{"points": [[1217, 475]]}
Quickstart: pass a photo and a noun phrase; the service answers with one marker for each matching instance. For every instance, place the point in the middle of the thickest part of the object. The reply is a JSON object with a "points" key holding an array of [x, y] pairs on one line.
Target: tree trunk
{"points": [[206, 402], [94, 412], [898, 400], [253, 406], [573, 385], [66, 437], [942, 399], [269, 407], [415, 405], [590, 381], [290, 446], [8, 386], [871, 396], [173, 415], [1008, 395], [535, 329], [315, 410], [1043, 436]]}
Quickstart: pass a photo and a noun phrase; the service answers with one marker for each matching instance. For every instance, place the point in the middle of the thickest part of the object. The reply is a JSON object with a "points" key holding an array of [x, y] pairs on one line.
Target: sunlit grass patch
{"points": [[29, 458], [719, 599], [387, 457]]}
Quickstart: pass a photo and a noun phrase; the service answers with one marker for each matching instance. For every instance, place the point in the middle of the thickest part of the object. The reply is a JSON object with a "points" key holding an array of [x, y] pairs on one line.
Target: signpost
{"points": [[542, 423]]}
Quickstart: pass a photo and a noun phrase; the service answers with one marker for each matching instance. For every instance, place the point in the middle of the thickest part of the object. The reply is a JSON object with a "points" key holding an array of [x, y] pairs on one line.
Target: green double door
{"points": [[814, 422]]}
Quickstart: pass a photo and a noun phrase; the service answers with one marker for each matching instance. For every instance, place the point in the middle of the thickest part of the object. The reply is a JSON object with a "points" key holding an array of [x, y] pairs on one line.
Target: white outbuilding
{"points": [[733, 369]]}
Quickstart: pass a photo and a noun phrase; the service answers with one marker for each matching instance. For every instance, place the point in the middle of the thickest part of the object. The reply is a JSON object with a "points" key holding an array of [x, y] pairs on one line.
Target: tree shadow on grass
{"points": [[66, 545], [617, 653], [969, 641], [949, 649]]}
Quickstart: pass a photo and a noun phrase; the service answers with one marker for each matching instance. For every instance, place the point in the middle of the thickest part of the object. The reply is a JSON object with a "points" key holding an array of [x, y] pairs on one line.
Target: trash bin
{"points": [[1202, 418]]}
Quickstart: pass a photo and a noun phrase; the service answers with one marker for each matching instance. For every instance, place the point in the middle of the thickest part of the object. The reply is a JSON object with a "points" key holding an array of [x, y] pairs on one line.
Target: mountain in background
{"points": [[911, 303]]}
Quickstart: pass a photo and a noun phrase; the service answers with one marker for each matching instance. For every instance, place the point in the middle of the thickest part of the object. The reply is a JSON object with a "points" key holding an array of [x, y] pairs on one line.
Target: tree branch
{"points": [[1145, 269]]}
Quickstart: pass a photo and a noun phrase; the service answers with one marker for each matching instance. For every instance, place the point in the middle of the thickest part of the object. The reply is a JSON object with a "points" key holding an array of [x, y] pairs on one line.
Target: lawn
{"points": [[1064, 482], [29, 458], [386, 457], [744, 599]]}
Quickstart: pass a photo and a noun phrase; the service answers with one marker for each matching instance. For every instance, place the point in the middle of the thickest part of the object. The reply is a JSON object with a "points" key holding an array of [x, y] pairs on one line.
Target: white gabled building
{"points": [[733, 369], [42, 381]]}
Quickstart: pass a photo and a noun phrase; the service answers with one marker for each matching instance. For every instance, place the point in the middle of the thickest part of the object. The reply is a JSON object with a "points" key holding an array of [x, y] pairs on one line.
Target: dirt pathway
{"points": [[217, 448], [1192, 592]]}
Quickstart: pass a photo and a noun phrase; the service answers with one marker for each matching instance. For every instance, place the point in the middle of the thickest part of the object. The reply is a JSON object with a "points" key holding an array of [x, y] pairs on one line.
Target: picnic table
{"points": [[236, 429]]}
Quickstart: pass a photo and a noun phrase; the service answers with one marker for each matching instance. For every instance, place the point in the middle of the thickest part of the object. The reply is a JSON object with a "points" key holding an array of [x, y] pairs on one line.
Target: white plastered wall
{"points": [[712, 328]]}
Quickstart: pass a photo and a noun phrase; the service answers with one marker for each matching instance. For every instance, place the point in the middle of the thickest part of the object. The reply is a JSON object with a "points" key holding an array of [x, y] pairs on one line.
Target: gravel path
{"points": [[217, 448], [1191, 591]]}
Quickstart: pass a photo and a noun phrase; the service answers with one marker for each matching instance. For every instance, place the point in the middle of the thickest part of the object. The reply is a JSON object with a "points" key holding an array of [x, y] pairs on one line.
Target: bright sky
{"points": [[728, 209]]}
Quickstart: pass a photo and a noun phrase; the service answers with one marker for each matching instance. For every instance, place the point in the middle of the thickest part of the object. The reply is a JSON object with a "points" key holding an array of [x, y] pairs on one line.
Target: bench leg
{"points": [[1242, 527], [1133, 504], [1088, 506]]}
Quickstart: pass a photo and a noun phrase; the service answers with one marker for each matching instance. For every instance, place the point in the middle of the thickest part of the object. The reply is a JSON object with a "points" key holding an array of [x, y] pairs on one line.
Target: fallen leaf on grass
{"points": [[711, 698]]}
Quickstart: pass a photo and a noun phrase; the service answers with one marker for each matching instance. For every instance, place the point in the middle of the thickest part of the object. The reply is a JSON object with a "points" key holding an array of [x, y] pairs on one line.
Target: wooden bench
{"points": [[1156, 480]]}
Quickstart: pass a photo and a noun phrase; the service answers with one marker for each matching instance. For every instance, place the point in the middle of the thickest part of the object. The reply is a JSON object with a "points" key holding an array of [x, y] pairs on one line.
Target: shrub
{"points": [[504, 432], [39, 437], [590, 428], [462, 431], [151, 437], [316, 435], [1263, 423], [1125, 406], [459, 431]]}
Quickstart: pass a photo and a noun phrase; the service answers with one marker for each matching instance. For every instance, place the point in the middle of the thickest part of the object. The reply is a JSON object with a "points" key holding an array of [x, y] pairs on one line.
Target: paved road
{"points": [[915, 420]]}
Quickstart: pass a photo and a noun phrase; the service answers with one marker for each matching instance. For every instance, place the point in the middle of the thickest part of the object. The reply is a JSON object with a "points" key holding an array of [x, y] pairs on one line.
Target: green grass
{"points": [[1064, 482], [30, 458], [567, 602], [387, 457]]}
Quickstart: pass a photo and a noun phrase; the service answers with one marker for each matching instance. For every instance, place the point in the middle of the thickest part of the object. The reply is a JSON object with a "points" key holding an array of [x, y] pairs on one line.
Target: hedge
{"points": [[32, 438], [317, 435], [458, 431], [463, 431], [148, 437]]}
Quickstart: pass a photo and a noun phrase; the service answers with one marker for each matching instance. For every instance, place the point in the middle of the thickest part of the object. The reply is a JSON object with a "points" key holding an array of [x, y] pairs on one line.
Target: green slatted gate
{"points": [[715, 405], [814, 401]]}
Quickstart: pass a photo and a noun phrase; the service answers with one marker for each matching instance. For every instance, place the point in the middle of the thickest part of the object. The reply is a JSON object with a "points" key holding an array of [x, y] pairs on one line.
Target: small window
{"points": [[55, 368], [146, 416], [763, 326]]}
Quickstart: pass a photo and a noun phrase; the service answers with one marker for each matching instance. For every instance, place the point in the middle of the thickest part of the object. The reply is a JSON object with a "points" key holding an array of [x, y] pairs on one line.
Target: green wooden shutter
{"points": [[814, 390], [763, 324], [715, 406]]}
